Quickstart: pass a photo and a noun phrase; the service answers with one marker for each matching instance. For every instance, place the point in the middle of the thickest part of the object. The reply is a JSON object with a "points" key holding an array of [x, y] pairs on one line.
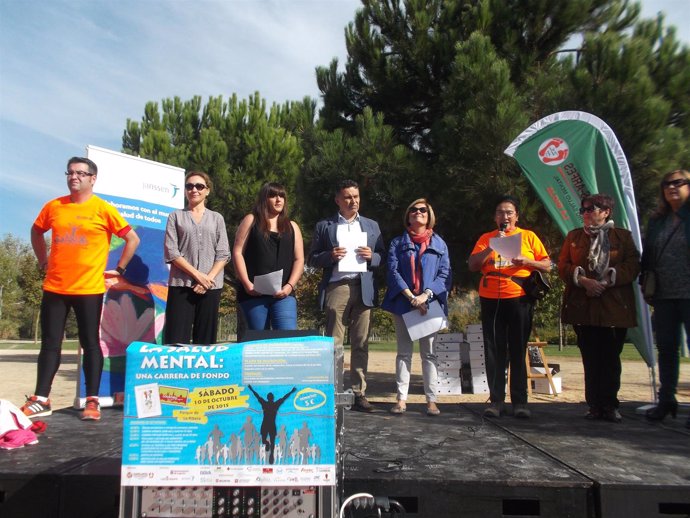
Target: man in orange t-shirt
{"points": [[81, 225]]}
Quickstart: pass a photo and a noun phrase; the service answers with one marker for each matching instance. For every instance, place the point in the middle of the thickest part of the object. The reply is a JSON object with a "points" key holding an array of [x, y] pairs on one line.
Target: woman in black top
{"points": [[267, 241]]}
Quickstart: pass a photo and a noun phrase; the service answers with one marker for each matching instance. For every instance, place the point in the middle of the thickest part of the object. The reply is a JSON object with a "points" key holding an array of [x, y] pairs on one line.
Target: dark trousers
{"points": [[54, 311], [191, 315], [507, 324], [669, 318], [601, 348]]}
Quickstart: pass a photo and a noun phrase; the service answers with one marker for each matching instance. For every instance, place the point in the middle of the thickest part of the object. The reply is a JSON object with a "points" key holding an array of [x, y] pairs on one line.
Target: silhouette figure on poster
{"points": [[268, 425]]}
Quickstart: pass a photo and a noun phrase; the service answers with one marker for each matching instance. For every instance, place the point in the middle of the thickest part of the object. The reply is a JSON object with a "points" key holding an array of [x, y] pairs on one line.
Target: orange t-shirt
{"points": [[493, 286], [80, 243]]}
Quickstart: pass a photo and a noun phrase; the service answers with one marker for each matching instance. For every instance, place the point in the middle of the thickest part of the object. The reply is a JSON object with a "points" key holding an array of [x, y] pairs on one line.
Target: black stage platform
{"points": [[556, 464]]}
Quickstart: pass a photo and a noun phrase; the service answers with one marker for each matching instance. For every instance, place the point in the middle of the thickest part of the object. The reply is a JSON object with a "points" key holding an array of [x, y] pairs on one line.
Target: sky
{"points": [[73, 71]]}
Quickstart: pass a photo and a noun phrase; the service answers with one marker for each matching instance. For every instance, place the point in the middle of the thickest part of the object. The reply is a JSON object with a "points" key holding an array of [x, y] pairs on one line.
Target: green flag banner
{"points": [[569, 155]]}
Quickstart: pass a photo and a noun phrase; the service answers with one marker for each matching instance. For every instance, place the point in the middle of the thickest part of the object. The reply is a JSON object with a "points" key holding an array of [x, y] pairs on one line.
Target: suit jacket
{"points": [[323, 242]]}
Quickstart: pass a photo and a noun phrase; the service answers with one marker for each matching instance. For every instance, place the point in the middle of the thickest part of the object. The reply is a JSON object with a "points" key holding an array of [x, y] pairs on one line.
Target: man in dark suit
{"points": [[346, 296]]}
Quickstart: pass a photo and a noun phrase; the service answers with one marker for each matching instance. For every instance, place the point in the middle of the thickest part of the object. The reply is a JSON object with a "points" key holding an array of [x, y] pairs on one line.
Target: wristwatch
{"points": [[120, 270], [429, 293]]}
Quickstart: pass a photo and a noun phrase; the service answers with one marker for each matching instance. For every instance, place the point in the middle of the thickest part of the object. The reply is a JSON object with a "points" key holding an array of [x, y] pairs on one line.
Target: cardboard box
{"points": [[475, 346], [473, 328], [449, 387], [542, 386], [450, 364], [449, 337], [448, 347], [474, 337]]}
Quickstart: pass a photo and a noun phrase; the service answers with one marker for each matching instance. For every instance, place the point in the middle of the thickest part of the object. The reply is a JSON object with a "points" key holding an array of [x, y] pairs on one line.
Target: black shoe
{"points": [[661, 410], [362, 405], [521, 411], [593, 413], [494, 410], [611, 414]]}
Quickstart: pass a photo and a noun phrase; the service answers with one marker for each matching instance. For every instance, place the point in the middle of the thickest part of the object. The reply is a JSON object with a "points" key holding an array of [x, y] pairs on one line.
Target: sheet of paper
{"points": [[419, 326], [507, 247], [269, 283], [351, 240]]}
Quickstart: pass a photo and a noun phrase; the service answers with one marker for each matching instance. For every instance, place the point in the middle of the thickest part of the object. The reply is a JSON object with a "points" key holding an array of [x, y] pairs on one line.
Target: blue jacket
{"points": [[325, 239], [436, 274]]}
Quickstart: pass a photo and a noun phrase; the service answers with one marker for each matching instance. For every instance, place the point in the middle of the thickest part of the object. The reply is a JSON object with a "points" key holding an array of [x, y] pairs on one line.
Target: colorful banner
{"points": [[134, 305], [569, 155], [248, 414]]}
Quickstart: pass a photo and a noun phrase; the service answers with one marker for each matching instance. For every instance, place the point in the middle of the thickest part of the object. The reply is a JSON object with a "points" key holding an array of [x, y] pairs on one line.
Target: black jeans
{"points": [[54, 311], [507, 324], [670, 315], [601, 348]]}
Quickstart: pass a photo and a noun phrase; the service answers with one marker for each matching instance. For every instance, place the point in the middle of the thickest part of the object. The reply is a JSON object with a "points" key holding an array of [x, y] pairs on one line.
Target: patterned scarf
{"points": [[423, 241], [599, 248]]}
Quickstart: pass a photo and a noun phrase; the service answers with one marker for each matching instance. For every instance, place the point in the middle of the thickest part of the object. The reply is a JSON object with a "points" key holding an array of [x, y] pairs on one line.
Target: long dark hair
{"points": [[664, 207], [262, 213]]}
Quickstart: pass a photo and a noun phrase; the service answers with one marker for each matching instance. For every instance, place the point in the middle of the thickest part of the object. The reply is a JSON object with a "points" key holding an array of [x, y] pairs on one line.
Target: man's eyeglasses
{"points": [[509, 213], [197, 186], [589, 209], [80, 174], [678, 182], [421, 210]]}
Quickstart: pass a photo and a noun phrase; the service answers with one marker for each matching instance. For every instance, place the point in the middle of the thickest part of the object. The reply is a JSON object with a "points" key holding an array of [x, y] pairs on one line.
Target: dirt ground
{"points": [[18, 375]]}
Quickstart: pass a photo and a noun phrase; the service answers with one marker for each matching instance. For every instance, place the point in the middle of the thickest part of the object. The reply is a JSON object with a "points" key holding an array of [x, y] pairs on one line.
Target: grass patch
{"points": [[67, 345], [570, 351]]}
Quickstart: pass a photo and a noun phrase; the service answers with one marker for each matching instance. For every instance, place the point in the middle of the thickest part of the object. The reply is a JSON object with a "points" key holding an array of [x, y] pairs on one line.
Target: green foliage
{"points": [[20, 288]]}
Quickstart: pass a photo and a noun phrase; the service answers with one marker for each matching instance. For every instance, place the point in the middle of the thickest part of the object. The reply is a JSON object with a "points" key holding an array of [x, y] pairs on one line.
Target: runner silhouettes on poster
{"points": [[268, 425]]}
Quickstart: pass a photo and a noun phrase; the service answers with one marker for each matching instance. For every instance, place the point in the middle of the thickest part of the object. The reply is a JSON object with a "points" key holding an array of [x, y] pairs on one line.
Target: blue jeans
{"points": [[669, 316], [266, 312]]}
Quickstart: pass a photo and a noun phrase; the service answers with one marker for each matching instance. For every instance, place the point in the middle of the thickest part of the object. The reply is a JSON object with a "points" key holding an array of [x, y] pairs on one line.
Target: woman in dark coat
{"points": [[667, 253], [599, 264]]}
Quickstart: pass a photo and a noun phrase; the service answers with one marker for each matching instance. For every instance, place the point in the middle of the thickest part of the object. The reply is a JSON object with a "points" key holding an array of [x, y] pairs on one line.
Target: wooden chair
{"points": [[535, 375]]}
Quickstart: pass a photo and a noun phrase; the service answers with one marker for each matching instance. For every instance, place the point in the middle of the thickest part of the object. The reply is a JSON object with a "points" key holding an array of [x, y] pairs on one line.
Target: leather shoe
{"points": [[494, 410], [521, 411], [593, 413], [612, 415], [432, 409], [659, 412], [362, 405]]}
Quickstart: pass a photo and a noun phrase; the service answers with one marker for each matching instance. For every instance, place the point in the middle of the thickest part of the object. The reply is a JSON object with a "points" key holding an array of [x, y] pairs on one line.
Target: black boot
{"points": [[662, 410]]}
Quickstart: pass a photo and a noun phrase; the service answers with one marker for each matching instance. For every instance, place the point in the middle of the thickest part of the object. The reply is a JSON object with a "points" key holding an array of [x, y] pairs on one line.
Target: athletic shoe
{"points": [[35, 408], [92, 410]]}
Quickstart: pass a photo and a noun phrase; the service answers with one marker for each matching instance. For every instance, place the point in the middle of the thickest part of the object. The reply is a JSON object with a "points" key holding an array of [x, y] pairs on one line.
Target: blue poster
{"points": [[255, 413], [144, 192]]}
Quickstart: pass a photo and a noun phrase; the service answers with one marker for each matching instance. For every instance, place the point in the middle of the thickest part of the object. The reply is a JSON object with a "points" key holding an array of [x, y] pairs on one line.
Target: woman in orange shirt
{"points": [[506, 309]]}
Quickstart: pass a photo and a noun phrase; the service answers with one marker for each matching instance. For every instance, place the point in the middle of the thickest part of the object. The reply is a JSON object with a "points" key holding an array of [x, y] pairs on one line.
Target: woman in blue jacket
{"points": [[418, 273]]}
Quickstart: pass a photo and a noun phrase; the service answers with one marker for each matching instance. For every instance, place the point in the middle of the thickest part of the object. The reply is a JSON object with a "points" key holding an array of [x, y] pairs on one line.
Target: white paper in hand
{"points": [[507, 247], [269, 283], [419, 326], [351, 240]]}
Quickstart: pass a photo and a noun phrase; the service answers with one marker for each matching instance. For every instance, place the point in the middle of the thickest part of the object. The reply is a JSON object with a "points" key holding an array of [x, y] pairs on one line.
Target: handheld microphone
{"points": [[503, 226]]}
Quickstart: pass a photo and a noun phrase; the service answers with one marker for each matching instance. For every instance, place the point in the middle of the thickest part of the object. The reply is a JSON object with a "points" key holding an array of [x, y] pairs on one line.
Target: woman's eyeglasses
{"points": [[589, 209], [678, 182], [421, 210], [197, 186]]}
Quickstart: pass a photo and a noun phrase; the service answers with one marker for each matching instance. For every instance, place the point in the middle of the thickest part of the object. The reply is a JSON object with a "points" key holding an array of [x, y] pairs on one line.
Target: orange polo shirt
{"points": [[494, 287], [80, 243]]}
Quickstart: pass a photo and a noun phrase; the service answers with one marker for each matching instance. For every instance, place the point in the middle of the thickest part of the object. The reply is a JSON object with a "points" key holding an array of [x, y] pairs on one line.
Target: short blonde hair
{"points": [[432, 216]]}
